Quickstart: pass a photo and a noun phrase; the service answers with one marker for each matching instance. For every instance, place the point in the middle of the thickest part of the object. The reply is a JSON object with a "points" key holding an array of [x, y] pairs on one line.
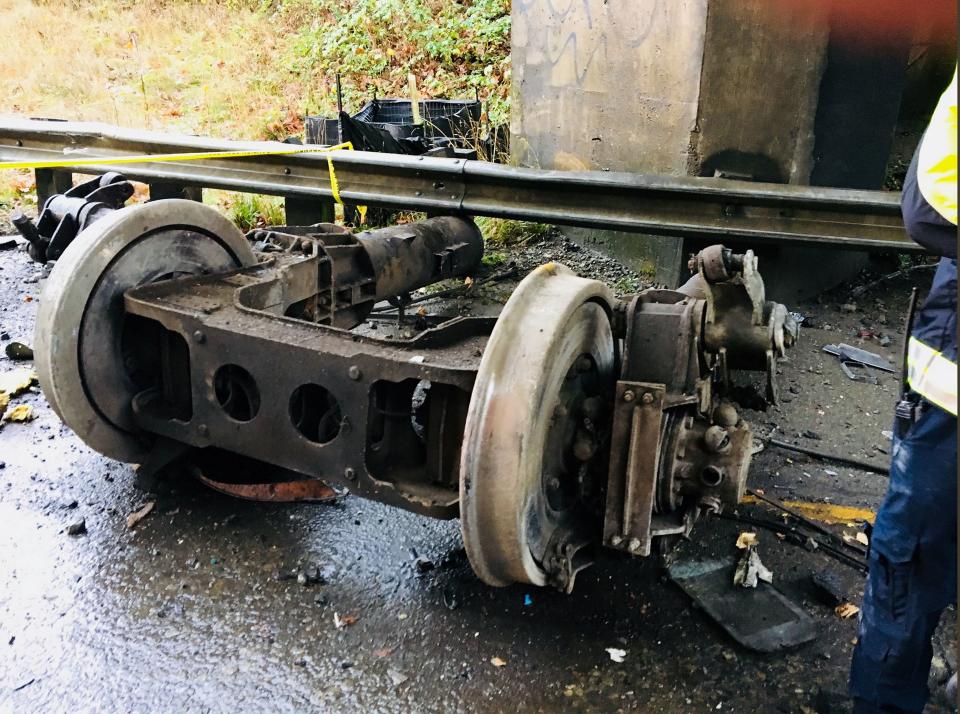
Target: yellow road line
{"points": [[825, 512]]}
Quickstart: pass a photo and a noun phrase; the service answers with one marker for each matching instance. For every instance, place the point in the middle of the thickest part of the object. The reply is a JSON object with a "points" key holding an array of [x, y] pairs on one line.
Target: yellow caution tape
{"points": [[80, 160]]}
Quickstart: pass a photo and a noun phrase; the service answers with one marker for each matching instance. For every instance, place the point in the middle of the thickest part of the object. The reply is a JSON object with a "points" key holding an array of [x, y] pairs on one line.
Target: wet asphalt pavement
{"points": [[199, 607]]}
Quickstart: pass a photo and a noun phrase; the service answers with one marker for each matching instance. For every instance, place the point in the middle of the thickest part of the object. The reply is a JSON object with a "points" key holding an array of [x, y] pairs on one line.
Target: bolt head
{"points": [[199, 337], [349, 473], [647, 398], [354, 373], [629, 396], [634, 546], [616, 540], [203, 430]]}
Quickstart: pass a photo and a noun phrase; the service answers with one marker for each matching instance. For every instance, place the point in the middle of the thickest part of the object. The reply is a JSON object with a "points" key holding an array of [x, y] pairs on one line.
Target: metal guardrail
{"points": [[707, 208]]}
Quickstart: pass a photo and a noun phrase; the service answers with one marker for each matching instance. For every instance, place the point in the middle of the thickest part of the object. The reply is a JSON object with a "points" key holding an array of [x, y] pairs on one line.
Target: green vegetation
{"points": [[627, 285], [250, 211], [493, 258], [504, 233], [246, 68], [243, 69]]}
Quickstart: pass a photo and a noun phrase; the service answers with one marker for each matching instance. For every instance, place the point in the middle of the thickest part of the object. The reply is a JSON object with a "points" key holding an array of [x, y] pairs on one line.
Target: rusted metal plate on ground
{"points": [[306, 490]]}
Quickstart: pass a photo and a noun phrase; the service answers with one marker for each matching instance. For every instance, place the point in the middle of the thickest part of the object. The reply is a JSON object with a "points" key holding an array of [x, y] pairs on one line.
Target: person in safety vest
{"points": [[913, 548]]}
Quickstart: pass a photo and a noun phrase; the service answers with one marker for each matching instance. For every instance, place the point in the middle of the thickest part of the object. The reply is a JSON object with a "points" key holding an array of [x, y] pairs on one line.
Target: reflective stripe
{"points": [[937, 161], [932, 376]]}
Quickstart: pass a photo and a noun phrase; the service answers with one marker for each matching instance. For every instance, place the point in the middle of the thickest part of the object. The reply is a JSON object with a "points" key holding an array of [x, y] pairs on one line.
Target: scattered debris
{"points": [[24, 685], [8, 243], [798, 317], [527, 601], [20, 413], [746, 540], [310, 575], [827, 586], [860, 537], [77, 527], [848, 307], [750, 570], [857, 373], [383, 652], [341, 622], [139, 514], [397, 677], [423, 565], [617, 655], [855, 463], [450, 599], [497, 662], [810, 434], [846, 610], [848, 353], [858, 291], [18, 351]]}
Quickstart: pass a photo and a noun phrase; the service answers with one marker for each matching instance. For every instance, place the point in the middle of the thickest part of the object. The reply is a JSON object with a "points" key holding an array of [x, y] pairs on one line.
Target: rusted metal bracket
{"points": [[634, 460]]}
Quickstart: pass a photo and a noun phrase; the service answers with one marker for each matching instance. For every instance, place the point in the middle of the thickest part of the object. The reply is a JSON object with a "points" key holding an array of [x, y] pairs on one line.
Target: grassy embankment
{"points": [[250, 69]]}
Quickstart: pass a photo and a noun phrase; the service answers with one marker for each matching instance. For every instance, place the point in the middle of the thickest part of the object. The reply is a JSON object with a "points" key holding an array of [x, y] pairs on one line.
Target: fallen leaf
{"points": [[497, 662], [616, 655], [859, 537], [383, 652], [846, 610], [468, 281], [16, 381], [746, 539], [21, 412], [344, 621], [139, 514], [24, 183]]}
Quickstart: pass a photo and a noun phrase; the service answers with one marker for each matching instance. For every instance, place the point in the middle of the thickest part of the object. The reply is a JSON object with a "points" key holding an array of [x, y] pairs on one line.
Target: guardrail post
{"points": [[163, 189], [50, 182], [307, 211]]}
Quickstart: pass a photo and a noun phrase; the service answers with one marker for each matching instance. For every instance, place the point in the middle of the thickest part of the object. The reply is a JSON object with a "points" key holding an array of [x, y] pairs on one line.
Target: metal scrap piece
{"points": [[849, 353], [761, 618], [311, 490]]}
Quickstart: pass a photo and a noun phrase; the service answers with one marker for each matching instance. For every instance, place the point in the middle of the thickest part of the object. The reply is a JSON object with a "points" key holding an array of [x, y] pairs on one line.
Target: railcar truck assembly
{"points": [[573, 420]]}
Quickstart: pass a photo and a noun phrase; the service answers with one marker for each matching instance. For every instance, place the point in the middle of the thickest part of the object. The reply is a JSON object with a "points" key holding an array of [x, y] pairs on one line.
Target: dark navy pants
{"points": [[913, 569]]}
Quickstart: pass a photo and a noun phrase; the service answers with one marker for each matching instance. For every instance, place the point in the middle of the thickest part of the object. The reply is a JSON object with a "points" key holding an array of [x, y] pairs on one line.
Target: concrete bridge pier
{"points": [[704, 88]]}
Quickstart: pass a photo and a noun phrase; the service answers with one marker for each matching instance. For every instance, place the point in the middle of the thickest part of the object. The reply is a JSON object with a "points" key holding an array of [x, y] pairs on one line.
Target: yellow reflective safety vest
{"points": [[930, 214], [937, 157]]}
